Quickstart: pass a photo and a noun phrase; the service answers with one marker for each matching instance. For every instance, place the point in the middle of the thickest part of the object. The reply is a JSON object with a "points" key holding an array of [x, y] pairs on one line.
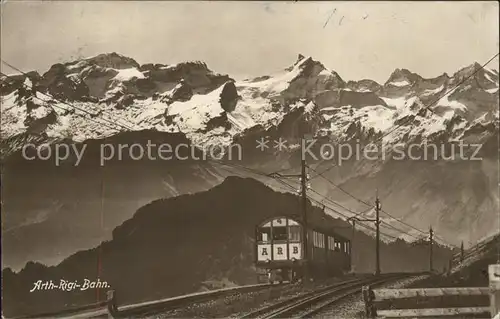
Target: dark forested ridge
{"points": [[172, 246]]}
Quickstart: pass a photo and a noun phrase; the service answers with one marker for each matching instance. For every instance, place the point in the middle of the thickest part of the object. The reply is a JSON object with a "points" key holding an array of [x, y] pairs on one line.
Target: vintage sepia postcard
{"points": [[250, 159]]}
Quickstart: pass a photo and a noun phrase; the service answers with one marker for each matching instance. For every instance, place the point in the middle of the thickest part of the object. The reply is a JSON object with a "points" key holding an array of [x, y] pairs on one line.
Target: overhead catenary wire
{"points": [[318, 174], [428, 107], [114, 123], [419, 230], [402, 232], [341, 214], [294, 189], [356, 214], [366, 203], [89, 113], [260, 173], [391, 216], [239, 174], [341, 189], [67, 110], [104, 122]]}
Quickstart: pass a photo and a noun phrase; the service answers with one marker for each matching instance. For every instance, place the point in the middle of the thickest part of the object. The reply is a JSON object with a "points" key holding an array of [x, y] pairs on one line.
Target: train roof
{"points": [[327, 226]]}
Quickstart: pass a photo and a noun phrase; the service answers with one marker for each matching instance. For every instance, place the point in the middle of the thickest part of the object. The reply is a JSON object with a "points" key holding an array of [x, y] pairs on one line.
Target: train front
{"points": [[279, 250]]}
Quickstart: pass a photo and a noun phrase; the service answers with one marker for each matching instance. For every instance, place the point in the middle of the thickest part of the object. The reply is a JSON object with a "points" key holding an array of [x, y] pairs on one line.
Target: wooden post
{"points": [[494, 278], [368, 297], [112, 309]]}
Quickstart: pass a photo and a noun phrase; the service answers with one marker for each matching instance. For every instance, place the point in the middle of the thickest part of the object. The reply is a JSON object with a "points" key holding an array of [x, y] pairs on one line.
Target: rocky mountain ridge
{"points": [[187, 98]]}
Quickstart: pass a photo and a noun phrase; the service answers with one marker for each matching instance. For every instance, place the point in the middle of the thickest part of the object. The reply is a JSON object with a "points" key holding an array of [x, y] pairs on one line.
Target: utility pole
{"points": [[99, 254], [431, 242], [303, 192], [462, 252], [352, 244], [377, 247]]}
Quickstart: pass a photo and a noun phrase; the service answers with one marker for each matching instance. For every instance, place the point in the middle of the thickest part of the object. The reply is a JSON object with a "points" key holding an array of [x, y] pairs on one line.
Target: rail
{"points": [[457, 259], [146, 308], [70, 311], [311, 303], [373, 299], [110, 306]]}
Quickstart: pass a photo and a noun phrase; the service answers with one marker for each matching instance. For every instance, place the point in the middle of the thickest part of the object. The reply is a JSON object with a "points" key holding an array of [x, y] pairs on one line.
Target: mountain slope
{"points": [[216, 227]]}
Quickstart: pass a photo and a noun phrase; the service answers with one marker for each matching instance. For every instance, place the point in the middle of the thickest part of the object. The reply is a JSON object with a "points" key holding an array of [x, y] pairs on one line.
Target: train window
{"points": [[331, 243], [321, 239], [294, 233], [279, 233], [264, 235], [318, 240]]}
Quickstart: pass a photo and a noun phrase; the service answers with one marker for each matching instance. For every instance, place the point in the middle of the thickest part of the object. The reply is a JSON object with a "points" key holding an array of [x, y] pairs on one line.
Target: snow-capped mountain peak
{"points": [[211, 108], [107, 60], [402, 77]]}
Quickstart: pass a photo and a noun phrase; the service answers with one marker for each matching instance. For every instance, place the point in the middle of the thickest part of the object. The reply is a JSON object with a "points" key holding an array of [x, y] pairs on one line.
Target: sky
{"points": [[246, 39]]}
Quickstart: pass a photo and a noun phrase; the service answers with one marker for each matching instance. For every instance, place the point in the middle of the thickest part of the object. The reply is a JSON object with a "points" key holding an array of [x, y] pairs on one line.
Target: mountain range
{"points": [[49, 211]]}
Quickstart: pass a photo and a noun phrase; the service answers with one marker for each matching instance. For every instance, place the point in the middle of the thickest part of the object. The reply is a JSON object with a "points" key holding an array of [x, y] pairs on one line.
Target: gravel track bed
{"points": [[353, 307], [238, 304]]}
